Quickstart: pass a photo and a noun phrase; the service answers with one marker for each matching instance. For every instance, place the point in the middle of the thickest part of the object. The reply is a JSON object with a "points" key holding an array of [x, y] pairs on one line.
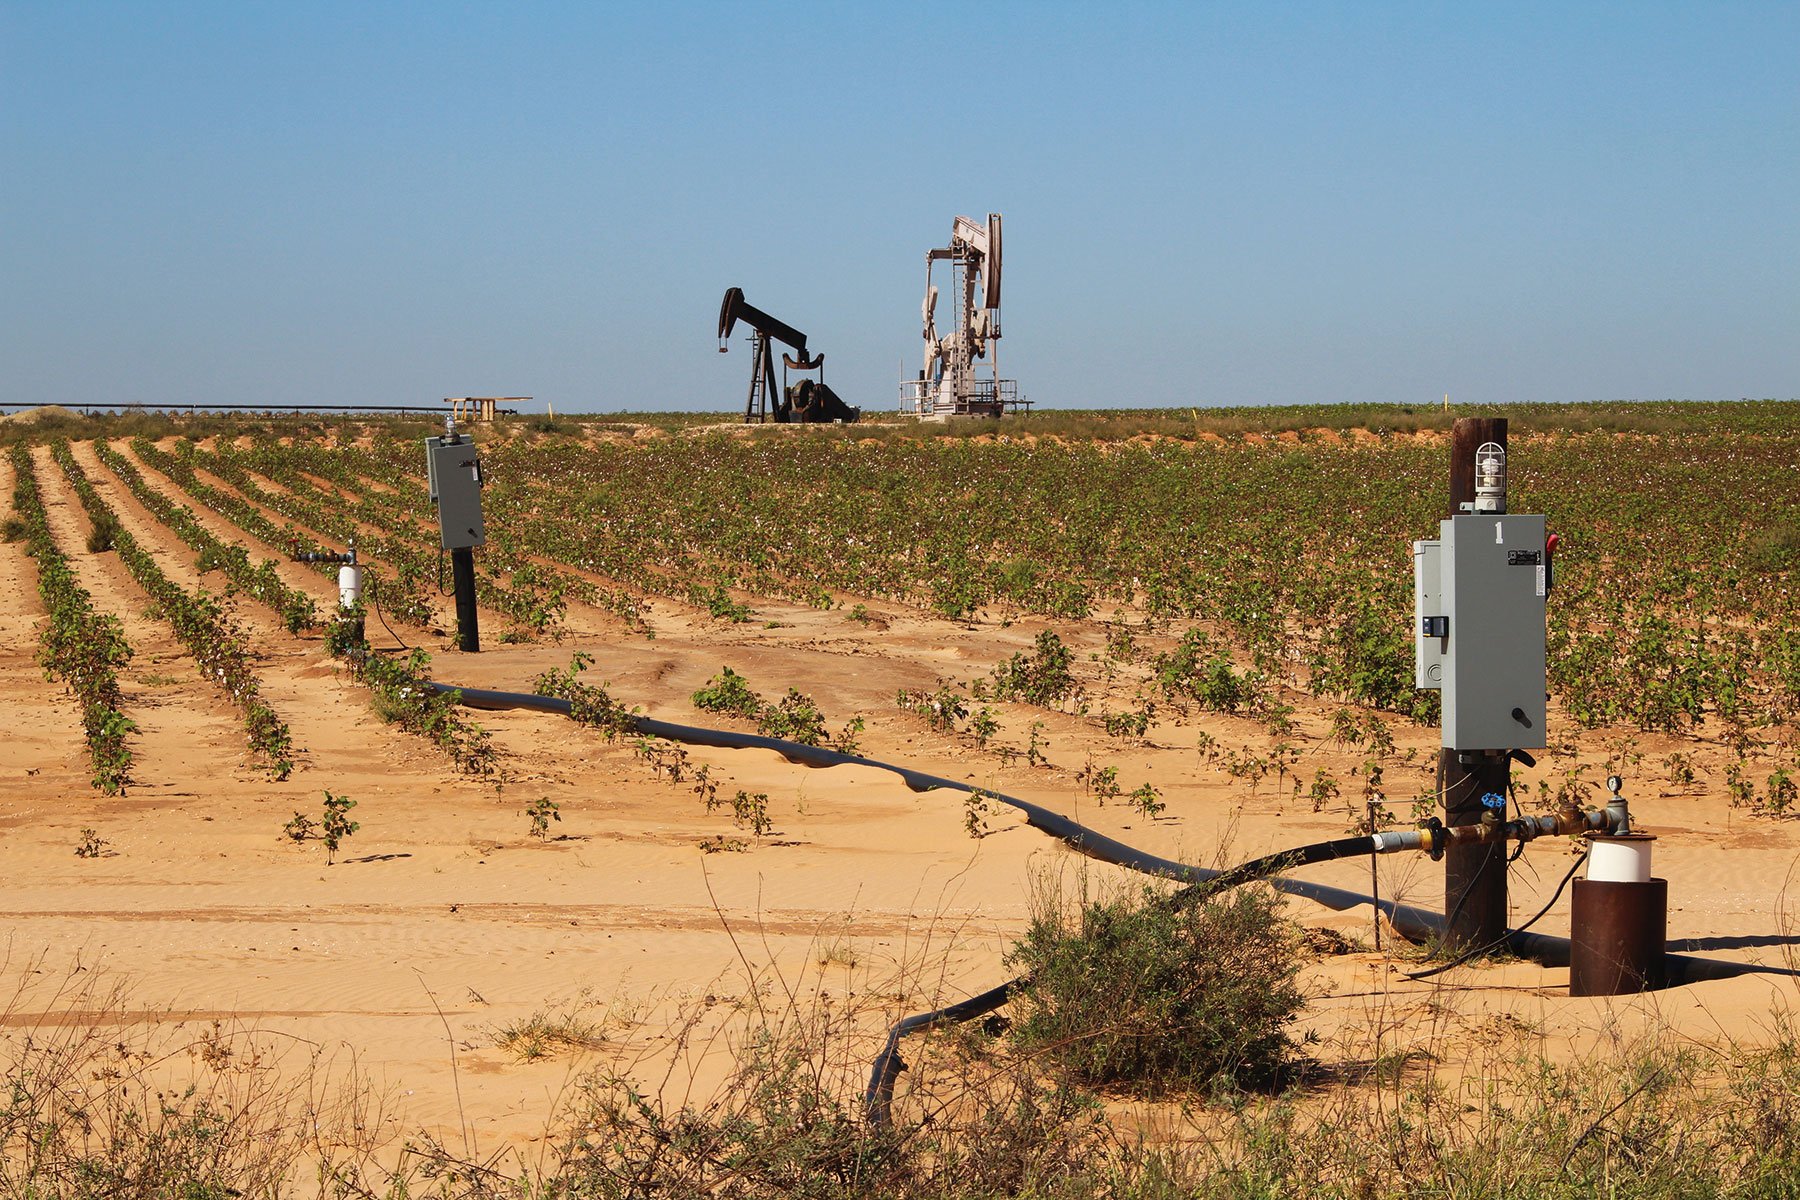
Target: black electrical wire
{"points": [[1478, 951], [375, 599]]}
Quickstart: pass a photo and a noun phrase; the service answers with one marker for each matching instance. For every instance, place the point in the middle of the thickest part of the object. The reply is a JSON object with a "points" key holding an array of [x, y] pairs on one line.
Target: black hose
{"points": [[1080, 837], [1409, 921], [1477, 951], [878, 1100], [374, 590]]}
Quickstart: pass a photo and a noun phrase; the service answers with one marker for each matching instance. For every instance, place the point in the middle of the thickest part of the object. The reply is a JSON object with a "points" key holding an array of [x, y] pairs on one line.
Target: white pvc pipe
{"points": [[1621, 859], [349, 585]]}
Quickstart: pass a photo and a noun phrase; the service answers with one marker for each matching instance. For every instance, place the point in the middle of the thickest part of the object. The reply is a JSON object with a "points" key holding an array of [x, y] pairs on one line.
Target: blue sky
{"points": [[1205, 204]]}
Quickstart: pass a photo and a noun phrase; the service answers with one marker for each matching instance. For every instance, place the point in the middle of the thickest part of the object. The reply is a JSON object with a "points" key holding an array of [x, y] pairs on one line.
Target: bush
{"points": [[1041, 678], [1366, 656], [1133, 989], [941, 709], [793, 718], [729, 692], [588, 704], [1198, 672], [101, 537], [796, 719]]}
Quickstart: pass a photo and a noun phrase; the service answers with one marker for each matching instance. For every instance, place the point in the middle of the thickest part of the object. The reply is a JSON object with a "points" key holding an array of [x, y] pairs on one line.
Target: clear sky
{"points": [[1205, 203]]}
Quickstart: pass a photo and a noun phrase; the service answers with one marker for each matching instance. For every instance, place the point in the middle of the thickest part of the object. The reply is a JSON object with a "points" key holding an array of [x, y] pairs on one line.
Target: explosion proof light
{"points": [[1490, 478]]}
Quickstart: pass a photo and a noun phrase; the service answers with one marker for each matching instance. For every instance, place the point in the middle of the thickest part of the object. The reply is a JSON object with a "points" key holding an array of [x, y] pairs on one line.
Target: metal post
{"points": [[462, 573], [1374, 875], [1474, 876]]}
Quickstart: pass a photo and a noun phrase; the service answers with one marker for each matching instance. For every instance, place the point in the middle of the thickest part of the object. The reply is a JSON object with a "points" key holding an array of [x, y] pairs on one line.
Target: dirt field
{"points": [[443, 920]]}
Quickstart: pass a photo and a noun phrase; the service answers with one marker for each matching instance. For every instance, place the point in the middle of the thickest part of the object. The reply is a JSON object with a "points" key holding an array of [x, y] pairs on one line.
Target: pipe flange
{"points": [[1434, 838]]}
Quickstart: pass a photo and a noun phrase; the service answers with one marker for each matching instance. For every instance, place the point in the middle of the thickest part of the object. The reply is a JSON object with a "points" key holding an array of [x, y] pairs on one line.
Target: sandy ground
{"points": [[443, 920]]}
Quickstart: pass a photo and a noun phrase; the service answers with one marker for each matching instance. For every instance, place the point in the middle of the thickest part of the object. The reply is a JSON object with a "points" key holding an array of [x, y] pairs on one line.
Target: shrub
{"points": [[1041, 677], [1365, 656], [1198, 672], [942, 709], [1134, 989], [330, 830], [718, 602], [729, 692], [795, 718], [588, 704], [100, 538]]}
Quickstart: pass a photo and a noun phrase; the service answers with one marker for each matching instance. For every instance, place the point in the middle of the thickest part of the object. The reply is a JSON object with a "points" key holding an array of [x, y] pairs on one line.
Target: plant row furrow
{"points": [[401, 687], [401, 593], [202, 622], [259, 580], [1676, 598], [80, 646], [534, 595]]}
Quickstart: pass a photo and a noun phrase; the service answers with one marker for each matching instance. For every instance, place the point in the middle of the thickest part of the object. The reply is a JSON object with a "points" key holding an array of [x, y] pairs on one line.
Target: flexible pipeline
{"points": [[1410, 921], [878, 1099]]}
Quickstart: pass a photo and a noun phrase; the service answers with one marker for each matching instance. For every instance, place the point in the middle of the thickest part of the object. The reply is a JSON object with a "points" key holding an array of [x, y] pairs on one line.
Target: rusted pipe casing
{"points": [[1620, 921]]}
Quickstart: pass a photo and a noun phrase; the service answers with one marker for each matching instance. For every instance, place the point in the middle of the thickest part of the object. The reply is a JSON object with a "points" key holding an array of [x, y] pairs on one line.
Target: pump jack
{"points": [[808, 400]]}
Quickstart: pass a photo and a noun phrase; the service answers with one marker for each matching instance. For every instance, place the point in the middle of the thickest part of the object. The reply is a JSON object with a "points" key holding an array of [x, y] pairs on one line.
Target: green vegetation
{"points": [[550, 1031], [728, 692], [541, 812], [1284, 557], [220, 648], [1196, 995], [1041, 677], [793, 718], [1242, 571], [404, 697], [330, 830], [78, 645], [132, 1108], [259, 580], [588, 704]]}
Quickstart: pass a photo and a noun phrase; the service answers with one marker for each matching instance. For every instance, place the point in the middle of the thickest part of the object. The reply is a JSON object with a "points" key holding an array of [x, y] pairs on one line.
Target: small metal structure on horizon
{"points": [[465, 409], [949, 384]]}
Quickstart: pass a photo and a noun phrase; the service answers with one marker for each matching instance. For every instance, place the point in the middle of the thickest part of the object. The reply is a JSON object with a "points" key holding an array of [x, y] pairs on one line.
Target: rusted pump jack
{"points": [[808, 400]]}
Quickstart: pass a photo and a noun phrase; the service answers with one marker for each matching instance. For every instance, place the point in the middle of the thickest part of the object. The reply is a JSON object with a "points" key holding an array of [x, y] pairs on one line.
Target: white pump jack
{"points": [[948, 384]]}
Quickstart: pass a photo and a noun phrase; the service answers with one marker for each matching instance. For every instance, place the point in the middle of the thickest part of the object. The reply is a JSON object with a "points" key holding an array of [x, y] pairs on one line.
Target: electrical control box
{"points": [[1478, 609], [1431, 626], [453, 470]]}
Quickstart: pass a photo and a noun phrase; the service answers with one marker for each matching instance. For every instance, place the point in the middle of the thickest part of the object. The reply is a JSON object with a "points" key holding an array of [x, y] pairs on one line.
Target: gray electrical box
{"points": [[1478, 612], [453, 470], [1431, 626]]}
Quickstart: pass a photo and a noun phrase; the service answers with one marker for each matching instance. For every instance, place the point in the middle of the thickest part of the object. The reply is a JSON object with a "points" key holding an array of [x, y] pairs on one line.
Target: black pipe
{"points": [[879, 1098], [1411, 922]]}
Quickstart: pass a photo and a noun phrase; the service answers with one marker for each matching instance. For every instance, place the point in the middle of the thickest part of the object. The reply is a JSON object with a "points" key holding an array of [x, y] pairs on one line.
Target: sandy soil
{"points": [[444, 920]]}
